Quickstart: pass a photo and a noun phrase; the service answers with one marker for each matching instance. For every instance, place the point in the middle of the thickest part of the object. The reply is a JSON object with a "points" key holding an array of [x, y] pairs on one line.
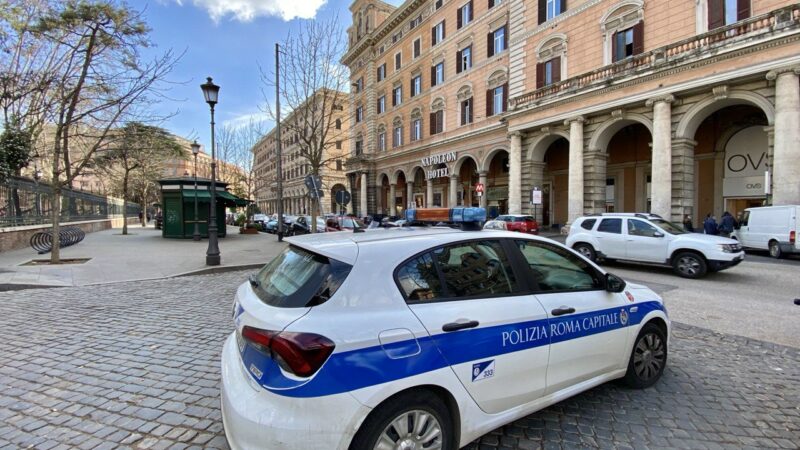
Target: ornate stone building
{"points": [[679, 107], [296, 167]]}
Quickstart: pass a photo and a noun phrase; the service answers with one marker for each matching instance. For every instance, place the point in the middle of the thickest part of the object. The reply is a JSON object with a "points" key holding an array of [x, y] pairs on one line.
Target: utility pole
{"points": [[279, 168]]}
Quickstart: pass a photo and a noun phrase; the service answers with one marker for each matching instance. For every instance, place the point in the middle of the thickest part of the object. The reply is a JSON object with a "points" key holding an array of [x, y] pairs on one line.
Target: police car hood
{"points": [[706, 239]]}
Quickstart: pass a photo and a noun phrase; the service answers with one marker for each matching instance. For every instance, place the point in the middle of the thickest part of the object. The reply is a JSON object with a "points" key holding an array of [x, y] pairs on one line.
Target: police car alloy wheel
{"points": [[648, 359], [587, 251], [414, 421], [689, 265]]}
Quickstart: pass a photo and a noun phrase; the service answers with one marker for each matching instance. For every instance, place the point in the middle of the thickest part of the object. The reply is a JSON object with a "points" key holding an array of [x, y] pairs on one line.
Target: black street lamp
{"points": [[211, 93], [195, 151]]}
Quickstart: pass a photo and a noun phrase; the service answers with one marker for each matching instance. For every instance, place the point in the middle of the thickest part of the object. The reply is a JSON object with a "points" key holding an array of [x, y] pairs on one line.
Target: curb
{"points": [[20, 287], [215, 270]]}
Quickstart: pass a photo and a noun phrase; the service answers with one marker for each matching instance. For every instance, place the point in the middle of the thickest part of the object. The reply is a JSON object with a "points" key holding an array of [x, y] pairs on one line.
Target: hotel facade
{"points": [[677, 107]]}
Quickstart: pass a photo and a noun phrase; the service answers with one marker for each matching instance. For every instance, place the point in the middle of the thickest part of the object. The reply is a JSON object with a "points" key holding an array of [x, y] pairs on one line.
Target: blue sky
{"points": [[227, 40]]}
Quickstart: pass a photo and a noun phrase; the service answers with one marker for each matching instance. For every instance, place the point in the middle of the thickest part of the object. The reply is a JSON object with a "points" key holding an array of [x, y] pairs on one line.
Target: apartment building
{"points": [[679, 107], [295, 166]]}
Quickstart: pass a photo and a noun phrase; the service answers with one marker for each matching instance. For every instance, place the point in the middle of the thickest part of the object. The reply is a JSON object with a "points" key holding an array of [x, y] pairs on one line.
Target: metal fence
{"points": [[25, 202]]}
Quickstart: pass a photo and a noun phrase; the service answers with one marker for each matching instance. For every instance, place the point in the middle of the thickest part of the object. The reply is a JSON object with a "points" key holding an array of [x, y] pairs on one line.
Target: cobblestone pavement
{"points": [[135, 365]]}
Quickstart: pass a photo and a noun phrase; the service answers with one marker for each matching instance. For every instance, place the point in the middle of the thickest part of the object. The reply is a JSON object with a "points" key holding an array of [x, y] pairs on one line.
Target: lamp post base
{"points": [[213, 260], [195, 237]]}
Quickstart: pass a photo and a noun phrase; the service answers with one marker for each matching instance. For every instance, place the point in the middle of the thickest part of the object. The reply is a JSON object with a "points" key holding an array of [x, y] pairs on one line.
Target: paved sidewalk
{"points": [[141, 255]]}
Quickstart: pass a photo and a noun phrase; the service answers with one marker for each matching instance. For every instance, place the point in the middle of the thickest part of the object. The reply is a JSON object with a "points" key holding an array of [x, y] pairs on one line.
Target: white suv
{"points": [[648, 238]]}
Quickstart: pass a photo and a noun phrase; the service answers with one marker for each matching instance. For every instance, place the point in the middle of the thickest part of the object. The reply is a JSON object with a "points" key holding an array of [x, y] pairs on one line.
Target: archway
{"points": [[335, 207], [731, 156], [555, 184], [400, 194], [383, 194], [496, 189], [467, 179], [418, 190], [628, 170]]}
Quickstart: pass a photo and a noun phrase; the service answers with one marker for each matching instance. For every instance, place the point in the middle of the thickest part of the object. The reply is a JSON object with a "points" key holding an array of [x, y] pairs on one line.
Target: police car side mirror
{"points": [[658, 234], [614, 283]]}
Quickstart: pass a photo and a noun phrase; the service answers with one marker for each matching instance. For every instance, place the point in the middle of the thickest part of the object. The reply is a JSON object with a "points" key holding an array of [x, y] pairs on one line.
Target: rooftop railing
{"points": [[675, 53]]}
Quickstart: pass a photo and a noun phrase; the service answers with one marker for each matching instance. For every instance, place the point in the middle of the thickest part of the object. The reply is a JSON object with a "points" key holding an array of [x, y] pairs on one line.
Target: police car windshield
{"points": [[298, 278], [669, 227]]}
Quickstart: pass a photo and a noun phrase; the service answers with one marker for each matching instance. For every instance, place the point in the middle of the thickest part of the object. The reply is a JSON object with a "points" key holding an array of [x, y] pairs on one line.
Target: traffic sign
{"points": [[314, 185], [342, 198]]}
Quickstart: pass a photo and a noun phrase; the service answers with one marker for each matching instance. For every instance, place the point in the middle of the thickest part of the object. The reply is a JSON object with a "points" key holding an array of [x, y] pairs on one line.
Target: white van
{"points": [[772, 228]]}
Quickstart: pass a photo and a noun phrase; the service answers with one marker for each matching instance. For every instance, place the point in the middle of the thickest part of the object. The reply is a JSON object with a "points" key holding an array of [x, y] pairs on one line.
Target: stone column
{"points": [[515, 174], [392, 197], [429, 193], [482, 180], [453, 191], [683, 199], [363, 196], [661, 167], [785, 161], [409, 194], [575, 202], [594, 162]]}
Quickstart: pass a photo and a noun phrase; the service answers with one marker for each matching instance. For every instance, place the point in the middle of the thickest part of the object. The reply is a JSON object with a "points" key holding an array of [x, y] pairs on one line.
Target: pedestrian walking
{"points": [[710, 225], [687, 223], [727, 224]]}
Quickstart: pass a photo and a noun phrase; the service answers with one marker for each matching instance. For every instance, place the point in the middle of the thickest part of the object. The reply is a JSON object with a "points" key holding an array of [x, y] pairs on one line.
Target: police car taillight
{"points": [[299, 353], [792, 237]]}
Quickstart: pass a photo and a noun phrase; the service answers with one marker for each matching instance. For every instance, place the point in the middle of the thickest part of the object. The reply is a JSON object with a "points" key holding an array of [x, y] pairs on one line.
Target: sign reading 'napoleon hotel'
{"points": [[435, 160]]}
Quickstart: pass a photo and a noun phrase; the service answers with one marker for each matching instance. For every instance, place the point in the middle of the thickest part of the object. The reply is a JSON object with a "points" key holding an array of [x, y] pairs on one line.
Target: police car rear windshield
{"points": [[298, 278]]}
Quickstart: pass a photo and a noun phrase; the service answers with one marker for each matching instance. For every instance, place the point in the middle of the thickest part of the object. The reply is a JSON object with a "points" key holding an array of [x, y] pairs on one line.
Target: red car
{"points": [[521, 223]]}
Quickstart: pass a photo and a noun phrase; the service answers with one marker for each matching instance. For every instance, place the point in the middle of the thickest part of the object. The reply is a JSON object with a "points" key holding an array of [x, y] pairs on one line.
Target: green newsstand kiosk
{"points": [[177, 204]]}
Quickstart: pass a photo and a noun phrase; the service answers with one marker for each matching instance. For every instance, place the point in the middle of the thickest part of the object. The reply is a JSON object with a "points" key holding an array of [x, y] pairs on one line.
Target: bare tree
{"points": [[312, 85], [134, 153], [101, 82]]}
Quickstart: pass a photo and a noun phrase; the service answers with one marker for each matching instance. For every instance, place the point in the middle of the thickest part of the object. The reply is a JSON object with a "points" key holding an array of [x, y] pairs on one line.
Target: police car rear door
{"points": [[588, 326], [479, 312]]}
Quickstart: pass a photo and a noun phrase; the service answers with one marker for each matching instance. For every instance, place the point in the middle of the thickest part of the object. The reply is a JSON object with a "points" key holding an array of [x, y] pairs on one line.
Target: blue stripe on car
{"points": [[370, 366]]}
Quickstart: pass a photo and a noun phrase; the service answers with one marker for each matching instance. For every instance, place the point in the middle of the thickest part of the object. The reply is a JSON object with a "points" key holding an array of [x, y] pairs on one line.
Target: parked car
{"points": [[260, 218], [302, 225], [495, 225], [520, 223], [647, 238], [772, 228]]}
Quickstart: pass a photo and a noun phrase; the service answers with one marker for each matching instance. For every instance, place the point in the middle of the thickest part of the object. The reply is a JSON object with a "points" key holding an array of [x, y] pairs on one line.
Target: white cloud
{"points": [[247, 10], [241, 120]]}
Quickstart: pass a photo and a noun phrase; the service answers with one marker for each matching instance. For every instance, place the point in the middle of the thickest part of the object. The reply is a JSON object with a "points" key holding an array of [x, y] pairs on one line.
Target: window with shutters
{"points": [[725, 12], [359, 147], [466, 111], [397, 95], [493, 3], [438, 4], [550, 9], [413, 23], [338, 145], [416, 125], [359, 114], [464, 15], [437, 74], [437, 33], [497, 92], [464, 59], [552, 53], [437, 117], [416, 85], [381, 104], [381, 144], [497, 41], [417, 47], [398, 61], [623, 44], [397, 136], [381, 72], [497, 100], [623, 28], [338, 124]]}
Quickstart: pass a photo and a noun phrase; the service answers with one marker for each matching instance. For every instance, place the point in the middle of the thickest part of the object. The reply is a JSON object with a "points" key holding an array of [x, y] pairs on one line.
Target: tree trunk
{"points": [[144, 206], [55, 253], [15, 201], [125, 204]]}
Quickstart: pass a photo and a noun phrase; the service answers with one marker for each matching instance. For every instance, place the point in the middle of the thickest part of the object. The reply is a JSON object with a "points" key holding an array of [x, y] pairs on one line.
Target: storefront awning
{"points": [[200, 194]]}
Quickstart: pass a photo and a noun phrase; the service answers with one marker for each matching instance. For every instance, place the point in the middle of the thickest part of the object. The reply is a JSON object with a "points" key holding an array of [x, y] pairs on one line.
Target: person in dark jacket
{"points": [[727, 224], [710, 225], [687, 223]]}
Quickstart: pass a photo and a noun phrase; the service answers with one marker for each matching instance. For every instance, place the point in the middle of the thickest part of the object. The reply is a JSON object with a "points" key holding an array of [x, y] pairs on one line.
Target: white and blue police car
{"points": [[426, 337]]}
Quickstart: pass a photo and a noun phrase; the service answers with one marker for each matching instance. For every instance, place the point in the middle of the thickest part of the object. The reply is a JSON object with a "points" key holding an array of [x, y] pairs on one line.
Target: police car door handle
{"points": [[562, 310], [455, 326]]}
